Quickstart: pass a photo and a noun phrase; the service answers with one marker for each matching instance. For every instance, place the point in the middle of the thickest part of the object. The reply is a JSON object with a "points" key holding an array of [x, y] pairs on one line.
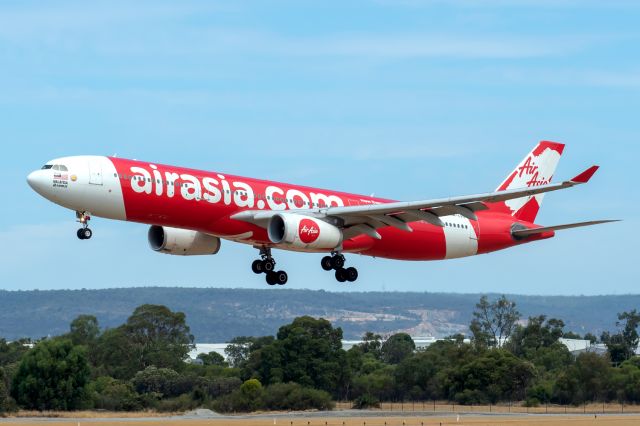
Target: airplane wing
{"points": [[522, 233], [365, 219]]}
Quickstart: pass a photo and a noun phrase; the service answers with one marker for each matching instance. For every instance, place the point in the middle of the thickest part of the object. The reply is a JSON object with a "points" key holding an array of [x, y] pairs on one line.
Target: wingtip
{"points": [[585, 176]]}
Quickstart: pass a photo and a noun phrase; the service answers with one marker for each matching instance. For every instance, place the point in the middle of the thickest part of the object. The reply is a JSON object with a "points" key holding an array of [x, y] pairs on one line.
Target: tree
{"points": [[84, 330], [52, 376], [159, 337], [493, 322], [622, 345], [212, 358], [4, 394], [587, 380], [397, 347], [157, 380], [371, 344], [14, 351]]}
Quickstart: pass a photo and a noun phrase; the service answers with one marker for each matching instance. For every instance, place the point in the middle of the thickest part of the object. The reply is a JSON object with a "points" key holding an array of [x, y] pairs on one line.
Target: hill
{"points": [[217, 315]]}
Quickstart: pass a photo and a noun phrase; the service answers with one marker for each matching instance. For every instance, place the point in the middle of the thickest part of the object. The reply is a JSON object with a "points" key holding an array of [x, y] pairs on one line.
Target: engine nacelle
{"points": [[303, 232], [183, 242]]}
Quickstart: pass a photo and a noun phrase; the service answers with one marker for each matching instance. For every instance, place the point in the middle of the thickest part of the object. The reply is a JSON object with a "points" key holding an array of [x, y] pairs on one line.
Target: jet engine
{"points": [[305, 232], [183, 242]]}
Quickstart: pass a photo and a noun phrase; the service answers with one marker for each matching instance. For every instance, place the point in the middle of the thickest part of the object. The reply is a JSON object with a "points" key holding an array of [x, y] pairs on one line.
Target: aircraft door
{"points": [[95, 172]]}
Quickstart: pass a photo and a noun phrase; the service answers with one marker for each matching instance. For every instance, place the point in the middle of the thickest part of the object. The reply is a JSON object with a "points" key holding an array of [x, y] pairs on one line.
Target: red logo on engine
{"points": [[308, 231]]}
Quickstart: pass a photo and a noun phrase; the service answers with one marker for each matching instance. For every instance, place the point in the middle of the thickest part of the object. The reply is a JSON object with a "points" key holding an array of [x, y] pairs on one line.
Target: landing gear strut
{"points": [[84, 233], [266, 264], [336, 262]]}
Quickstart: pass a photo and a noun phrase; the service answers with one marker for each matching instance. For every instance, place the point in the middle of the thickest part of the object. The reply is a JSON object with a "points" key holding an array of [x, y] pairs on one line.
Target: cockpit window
{"points": [[47, 166], [58, 167], [63, 168]]}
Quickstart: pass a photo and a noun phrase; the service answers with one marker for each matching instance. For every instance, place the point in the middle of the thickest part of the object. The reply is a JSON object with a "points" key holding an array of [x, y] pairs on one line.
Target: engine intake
{"points": [[305, 232], [183, 242]]}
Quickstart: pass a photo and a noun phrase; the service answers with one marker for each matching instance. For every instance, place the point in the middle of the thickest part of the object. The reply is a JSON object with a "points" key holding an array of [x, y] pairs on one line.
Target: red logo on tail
{"points": [[308, 231]]}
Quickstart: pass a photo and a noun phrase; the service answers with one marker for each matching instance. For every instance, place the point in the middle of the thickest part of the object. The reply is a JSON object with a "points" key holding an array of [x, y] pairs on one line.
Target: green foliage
{"points": [[292, 396], [366, 401], [308, 351], [156, 380], [152, 336], [589, 379], [493, 322], [492, 376], [622, 346], [52, 376], [212, 358], [4, 393], [107, 393], [12, 352], [538, 342], [84, 330], [397, 347]]}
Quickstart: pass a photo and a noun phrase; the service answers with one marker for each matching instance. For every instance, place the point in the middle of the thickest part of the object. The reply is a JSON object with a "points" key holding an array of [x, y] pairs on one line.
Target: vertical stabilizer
{"points": [[536, 169]]}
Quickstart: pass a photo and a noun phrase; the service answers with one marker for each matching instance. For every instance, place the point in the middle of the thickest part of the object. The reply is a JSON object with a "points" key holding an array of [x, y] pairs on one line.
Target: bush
{"points": [[292, 396], [110, 394], [178, 404], [158, 380], [366, 401]]}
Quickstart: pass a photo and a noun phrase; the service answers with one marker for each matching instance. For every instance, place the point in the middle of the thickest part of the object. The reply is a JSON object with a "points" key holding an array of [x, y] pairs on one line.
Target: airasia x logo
{"points": [[308, 231], [529, 168]]}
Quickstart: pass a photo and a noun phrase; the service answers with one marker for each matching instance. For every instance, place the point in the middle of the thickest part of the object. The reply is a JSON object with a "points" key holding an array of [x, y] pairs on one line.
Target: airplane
{"points": [[190, 211]]}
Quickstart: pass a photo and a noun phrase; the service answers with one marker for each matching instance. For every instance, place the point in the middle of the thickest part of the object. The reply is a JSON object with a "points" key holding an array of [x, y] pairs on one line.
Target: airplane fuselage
{"points": [[206, 202]]}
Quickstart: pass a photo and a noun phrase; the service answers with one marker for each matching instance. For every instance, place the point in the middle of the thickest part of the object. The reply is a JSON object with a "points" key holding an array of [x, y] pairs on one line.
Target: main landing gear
{"points": [[266, 264], [84, 233], [336, 262]]}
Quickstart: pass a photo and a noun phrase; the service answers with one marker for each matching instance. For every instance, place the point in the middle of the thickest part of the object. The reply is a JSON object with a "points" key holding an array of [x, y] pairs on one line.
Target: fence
{"points": [[515, 407]]}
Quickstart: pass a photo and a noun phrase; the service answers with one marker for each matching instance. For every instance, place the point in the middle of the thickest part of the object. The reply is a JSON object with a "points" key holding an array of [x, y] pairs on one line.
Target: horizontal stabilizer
{"points": [[521, 233]]}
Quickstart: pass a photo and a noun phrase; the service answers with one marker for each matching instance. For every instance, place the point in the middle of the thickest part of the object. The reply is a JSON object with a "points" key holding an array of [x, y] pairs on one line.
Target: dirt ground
{"points": [[462, 419]]}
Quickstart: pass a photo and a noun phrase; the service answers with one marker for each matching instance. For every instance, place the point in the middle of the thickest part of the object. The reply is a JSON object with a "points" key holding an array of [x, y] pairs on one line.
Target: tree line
{"points": [[141, 365]]}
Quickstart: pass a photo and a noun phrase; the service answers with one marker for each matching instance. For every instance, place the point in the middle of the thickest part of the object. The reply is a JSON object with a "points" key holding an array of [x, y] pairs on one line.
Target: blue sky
{"points": [[406, 99]]}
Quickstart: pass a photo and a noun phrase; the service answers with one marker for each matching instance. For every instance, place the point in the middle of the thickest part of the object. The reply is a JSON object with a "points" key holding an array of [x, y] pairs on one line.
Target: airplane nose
{"points": [[31, 179], [35, 180]]}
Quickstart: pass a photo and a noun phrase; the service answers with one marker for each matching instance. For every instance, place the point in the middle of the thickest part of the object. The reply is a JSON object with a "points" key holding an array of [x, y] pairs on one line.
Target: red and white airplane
{"points": [[190, 211]]}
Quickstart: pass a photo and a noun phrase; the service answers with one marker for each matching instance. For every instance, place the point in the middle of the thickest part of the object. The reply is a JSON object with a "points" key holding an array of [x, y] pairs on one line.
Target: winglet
{"points": [[586, 175]]}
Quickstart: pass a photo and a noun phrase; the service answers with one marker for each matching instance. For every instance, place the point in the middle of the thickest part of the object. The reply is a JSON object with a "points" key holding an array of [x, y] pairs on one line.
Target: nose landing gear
{"points": [[84, 233], [266, 264], [336, 262]]}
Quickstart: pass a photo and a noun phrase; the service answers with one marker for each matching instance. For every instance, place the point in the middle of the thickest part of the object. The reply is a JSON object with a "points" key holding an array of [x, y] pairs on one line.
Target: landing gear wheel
{"points": [[326, 263], [256, 266], [351, 273], [281, 277], [337, 262], [84, 233], [341, 275], [268, 265], [272, 278]]}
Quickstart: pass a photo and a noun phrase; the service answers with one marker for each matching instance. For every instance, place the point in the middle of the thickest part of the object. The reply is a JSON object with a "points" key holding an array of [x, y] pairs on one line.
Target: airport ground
{"points": [[480, 416]]}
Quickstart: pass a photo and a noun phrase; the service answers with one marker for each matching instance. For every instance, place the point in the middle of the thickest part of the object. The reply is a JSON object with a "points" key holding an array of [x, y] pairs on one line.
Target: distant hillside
{"points": [[217, 315]]}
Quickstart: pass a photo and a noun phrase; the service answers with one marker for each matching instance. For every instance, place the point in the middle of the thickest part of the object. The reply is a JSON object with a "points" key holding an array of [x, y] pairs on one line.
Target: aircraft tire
{"points": [[268, 265], [281, 277], [256, 266], [326, 263], [80, 234], [337, 262], [272, 278], [351, 274], [341, 275]]}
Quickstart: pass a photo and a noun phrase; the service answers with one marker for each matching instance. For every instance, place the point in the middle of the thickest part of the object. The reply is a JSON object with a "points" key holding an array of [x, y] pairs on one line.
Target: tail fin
{"points": [[537, 168]]}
